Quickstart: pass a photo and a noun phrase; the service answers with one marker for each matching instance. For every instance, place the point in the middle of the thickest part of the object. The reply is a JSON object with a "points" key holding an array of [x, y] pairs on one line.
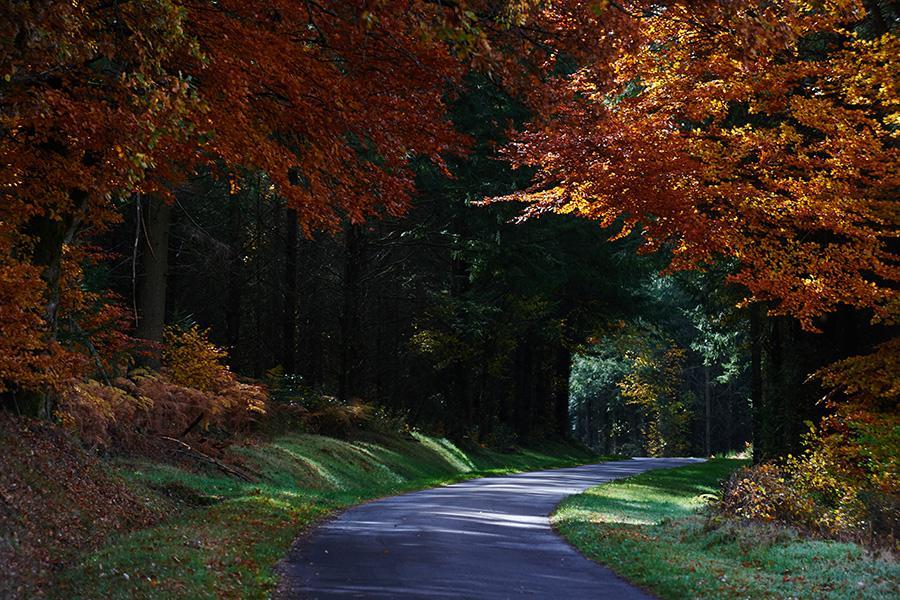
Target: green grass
{"points": [[651, 530], [225, 535]]}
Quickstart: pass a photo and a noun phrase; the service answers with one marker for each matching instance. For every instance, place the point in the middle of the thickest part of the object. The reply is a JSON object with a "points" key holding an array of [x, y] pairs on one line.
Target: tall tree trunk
{"points": [[524, 387], [563, 369], [50, 237], [152, 289], [706, 398], [312, 324], [757, 316], [257, 282], [235, 282], [349, 367], [289, 318], [783, 356]]}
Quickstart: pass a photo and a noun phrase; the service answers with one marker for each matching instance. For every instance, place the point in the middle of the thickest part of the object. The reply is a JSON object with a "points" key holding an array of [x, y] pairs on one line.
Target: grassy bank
{"points": [[226, 535], [648, 529]]}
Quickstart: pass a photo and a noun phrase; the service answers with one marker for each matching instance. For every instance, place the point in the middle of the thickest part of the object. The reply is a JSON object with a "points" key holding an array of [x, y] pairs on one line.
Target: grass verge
{"points": [[225, 535], [649, 529]]}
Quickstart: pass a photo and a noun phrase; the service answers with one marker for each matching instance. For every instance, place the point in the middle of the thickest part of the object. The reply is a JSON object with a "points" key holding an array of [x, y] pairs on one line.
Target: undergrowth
{"points": [[655, 530]]}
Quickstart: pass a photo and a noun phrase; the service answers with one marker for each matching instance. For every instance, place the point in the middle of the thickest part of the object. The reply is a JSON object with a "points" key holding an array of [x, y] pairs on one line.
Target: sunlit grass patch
{"points": [[650, 529]]}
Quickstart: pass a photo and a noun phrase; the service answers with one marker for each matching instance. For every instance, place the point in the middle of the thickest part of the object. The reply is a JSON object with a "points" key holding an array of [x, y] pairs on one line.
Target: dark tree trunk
{"points": [[152, 289], [462, 392], [50, 236], [757, 315], [289, 318], [708, 412], [563, 368], [524, 388], [235, 282], [783, 357], [258, 286], [349, 367]]}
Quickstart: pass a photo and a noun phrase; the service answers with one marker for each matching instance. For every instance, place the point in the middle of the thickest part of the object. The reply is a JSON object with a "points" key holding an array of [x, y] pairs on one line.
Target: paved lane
{"points": [[486, 538]]}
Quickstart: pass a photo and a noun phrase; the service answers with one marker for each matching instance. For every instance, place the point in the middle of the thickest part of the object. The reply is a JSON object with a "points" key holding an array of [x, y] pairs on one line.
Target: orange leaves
{"points": [[846, 480], [764, 493], [22, 356], [194, 387], [871, 379], [331, 100], [192, 361], [762, 135]]}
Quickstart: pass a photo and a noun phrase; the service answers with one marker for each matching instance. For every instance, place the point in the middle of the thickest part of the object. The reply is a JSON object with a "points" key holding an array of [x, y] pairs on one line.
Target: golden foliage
{"points": [[845, 482], [191, 359], [763, 134], [194, 387], [654, 384]]}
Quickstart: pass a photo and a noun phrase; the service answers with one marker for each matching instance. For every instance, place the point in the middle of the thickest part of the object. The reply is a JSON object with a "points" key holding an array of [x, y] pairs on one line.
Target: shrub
{"points": [[338, 420], [765, 493], [845, 483], [193, 391]]}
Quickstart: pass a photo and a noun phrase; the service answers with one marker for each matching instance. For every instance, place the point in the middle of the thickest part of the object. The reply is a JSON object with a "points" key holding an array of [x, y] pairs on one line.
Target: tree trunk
{"points": [[348, 376], [289, 317], [50, 236], [562, 368], [235, 281], [152, 290], [524, 387], [706, 398], [757, 314]]}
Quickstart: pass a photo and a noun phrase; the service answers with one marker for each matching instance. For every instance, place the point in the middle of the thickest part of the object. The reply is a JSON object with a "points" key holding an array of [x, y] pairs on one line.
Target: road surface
{"points": [[485, 538]]}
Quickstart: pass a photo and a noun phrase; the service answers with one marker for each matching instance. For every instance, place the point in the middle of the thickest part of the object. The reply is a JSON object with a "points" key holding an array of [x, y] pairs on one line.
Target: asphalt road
{"points": [[486, 538]]}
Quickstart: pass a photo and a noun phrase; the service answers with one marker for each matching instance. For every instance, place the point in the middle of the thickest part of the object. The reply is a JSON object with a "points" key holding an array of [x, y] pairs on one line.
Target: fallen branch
{"points": [[196, 454]]}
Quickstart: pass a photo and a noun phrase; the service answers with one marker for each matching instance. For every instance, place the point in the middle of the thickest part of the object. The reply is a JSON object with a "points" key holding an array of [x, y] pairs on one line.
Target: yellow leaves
{"points": [[194, 383], [847, 474], [191, 359]]}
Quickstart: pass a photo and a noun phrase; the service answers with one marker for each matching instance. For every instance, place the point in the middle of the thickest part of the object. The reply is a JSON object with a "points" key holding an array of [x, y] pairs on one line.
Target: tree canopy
{"points": [[501, 220]]}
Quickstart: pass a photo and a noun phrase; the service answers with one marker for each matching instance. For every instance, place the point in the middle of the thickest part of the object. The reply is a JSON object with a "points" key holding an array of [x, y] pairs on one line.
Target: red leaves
{"points": [[344, 106], [98, 100]]}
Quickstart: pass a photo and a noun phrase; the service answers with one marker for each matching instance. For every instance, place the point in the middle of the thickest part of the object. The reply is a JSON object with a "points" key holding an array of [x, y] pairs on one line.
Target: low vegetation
{"points": [[130, 527], [655, 529]]}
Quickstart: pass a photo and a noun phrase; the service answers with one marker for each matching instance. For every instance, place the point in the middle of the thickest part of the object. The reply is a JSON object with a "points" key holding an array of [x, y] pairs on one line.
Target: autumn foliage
{"points": [[193, 393], [765, 135], [654, 385], [845, 482], [759, 136], [102, 103]]}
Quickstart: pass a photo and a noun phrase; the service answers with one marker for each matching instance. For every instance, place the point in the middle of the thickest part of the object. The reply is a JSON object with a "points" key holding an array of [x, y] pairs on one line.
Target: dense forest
{"points": [[661, 228]]}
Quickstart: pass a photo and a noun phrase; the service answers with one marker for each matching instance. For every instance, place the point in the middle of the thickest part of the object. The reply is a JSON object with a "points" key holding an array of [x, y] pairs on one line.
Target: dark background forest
{"points": [[455, 315]]}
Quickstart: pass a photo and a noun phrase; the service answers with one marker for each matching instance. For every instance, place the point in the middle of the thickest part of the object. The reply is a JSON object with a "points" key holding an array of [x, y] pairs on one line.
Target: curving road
{"points": [[486, 538]]}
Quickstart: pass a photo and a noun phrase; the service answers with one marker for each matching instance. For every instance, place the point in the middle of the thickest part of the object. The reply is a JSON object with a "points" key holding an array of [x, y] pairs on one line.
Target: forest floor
{"points": [[75, 526], [654, 529]]}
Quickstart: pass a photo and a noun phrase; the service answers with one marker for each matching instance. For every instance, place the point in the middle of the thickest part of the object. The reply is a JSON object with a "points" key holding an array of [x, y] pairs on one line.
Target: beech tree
{"points": [[766, 134], [105, 102], [87, 104]]}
